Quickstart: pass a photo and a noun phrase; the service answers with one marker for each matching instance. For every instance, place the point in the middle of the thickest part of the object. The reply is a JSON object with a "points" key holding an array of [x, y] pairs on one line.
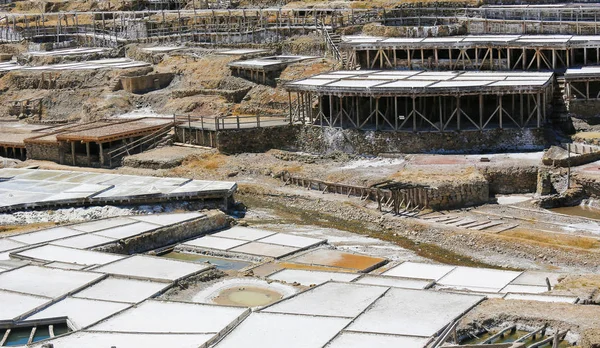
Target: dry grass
{"points": [[17, 229], [554, 239], [208, 161], [578, 282]]}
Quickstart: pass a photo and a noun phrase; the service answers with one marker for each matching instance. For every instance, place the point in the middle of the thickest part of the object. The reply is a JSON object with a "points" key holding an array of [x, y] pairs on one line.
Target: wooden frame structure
{"points": [[422, 101], [205, 26], [399, 198], [582, 84], [499, 52]]}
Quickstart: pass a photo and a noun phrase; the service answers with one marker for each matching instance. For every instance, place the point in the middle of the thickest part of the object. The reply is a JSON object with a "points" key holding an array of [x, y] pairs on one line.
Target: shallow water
{"points": [[41, 333], [219, 263], [18, 337], [247, 297], [579, 210]]}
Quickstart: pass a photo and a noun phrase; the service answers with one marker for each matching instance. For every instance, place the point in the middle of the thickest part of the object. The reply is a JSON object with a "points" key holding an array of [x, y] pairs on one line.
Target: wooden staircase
{"points": [[560, 106]]}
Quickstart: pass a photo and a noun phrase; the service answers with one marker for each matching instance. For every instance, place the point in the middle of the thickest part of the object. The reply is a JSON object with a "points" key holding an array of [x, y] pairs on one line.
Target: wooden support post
{"points": [[414, 113], [87, 152], [101, 153], [458, 112], [500, 110], [539, 110], [73, 152], [330, 111]]}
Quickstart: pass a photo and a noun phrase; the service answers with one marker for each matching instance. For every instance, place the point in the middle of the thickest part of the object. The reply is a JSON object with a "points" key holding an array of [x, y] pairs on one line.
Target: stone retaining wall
{"points": [[326, 140], [169, 235], [257, 139], [146, 83], [45, 152], [510, 180], [459, 195]]}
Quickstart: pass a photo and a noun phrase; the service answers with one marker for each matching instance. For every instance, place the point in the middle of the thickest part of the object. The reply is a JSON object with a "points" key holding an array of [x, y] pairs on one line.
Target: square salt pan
{"points": [[292, 241], [407, 312], [478, 279], [211, 242], [81, 312], [122, 290], [56, 282], [244, 233], [152, 268], [524, 289], [419, 270], [266, 250], [68, 255], [102, 224], [127, 231], [83, 241], [45, 235], [168, 219], [536, 278], [395, 282], [308, 278], [64, 265], [7, 244], [362, 340], [15, 304], [107, 339], [172, 317], [270, 330], [542, 298], [336, 258], [327, 300]]}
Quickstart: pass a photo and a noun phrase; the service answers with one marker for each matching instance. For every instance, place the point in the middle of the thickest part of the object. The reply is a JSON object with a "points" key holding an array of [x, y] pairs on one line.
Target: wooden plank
{"points": [[483, 227]]}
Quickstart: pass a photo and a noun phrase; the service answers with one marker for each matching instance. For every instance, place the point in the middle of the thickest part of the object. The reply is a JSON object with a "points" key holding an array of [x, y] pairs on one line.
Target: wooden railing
{"points": [[145, 143], [218, 123], [331, 46], [407, 200]]}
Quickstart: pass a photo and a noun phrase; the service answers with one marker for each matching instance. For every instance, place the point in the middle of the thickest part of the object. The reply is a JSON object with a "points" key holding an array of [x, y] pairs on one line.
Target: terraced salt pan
{"points": [[395, 282], [68, 255], [81, 312], [413, 312], [108, 339], [336, 258], [292, 241], [330, 299], [524, 289], [64, 265], [308, 278], [536, 278], [103, 224], [172, 317], [128, 231], [154, 268], [265, 250], [56, 282], [478, 279], [122, 290], [419, 270], [8, 244], [46, 235], [361, 340], [244, 233], [211, 242], [168, 219], [541, 298], [84, 241], [15, 304], [271, 330]]}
